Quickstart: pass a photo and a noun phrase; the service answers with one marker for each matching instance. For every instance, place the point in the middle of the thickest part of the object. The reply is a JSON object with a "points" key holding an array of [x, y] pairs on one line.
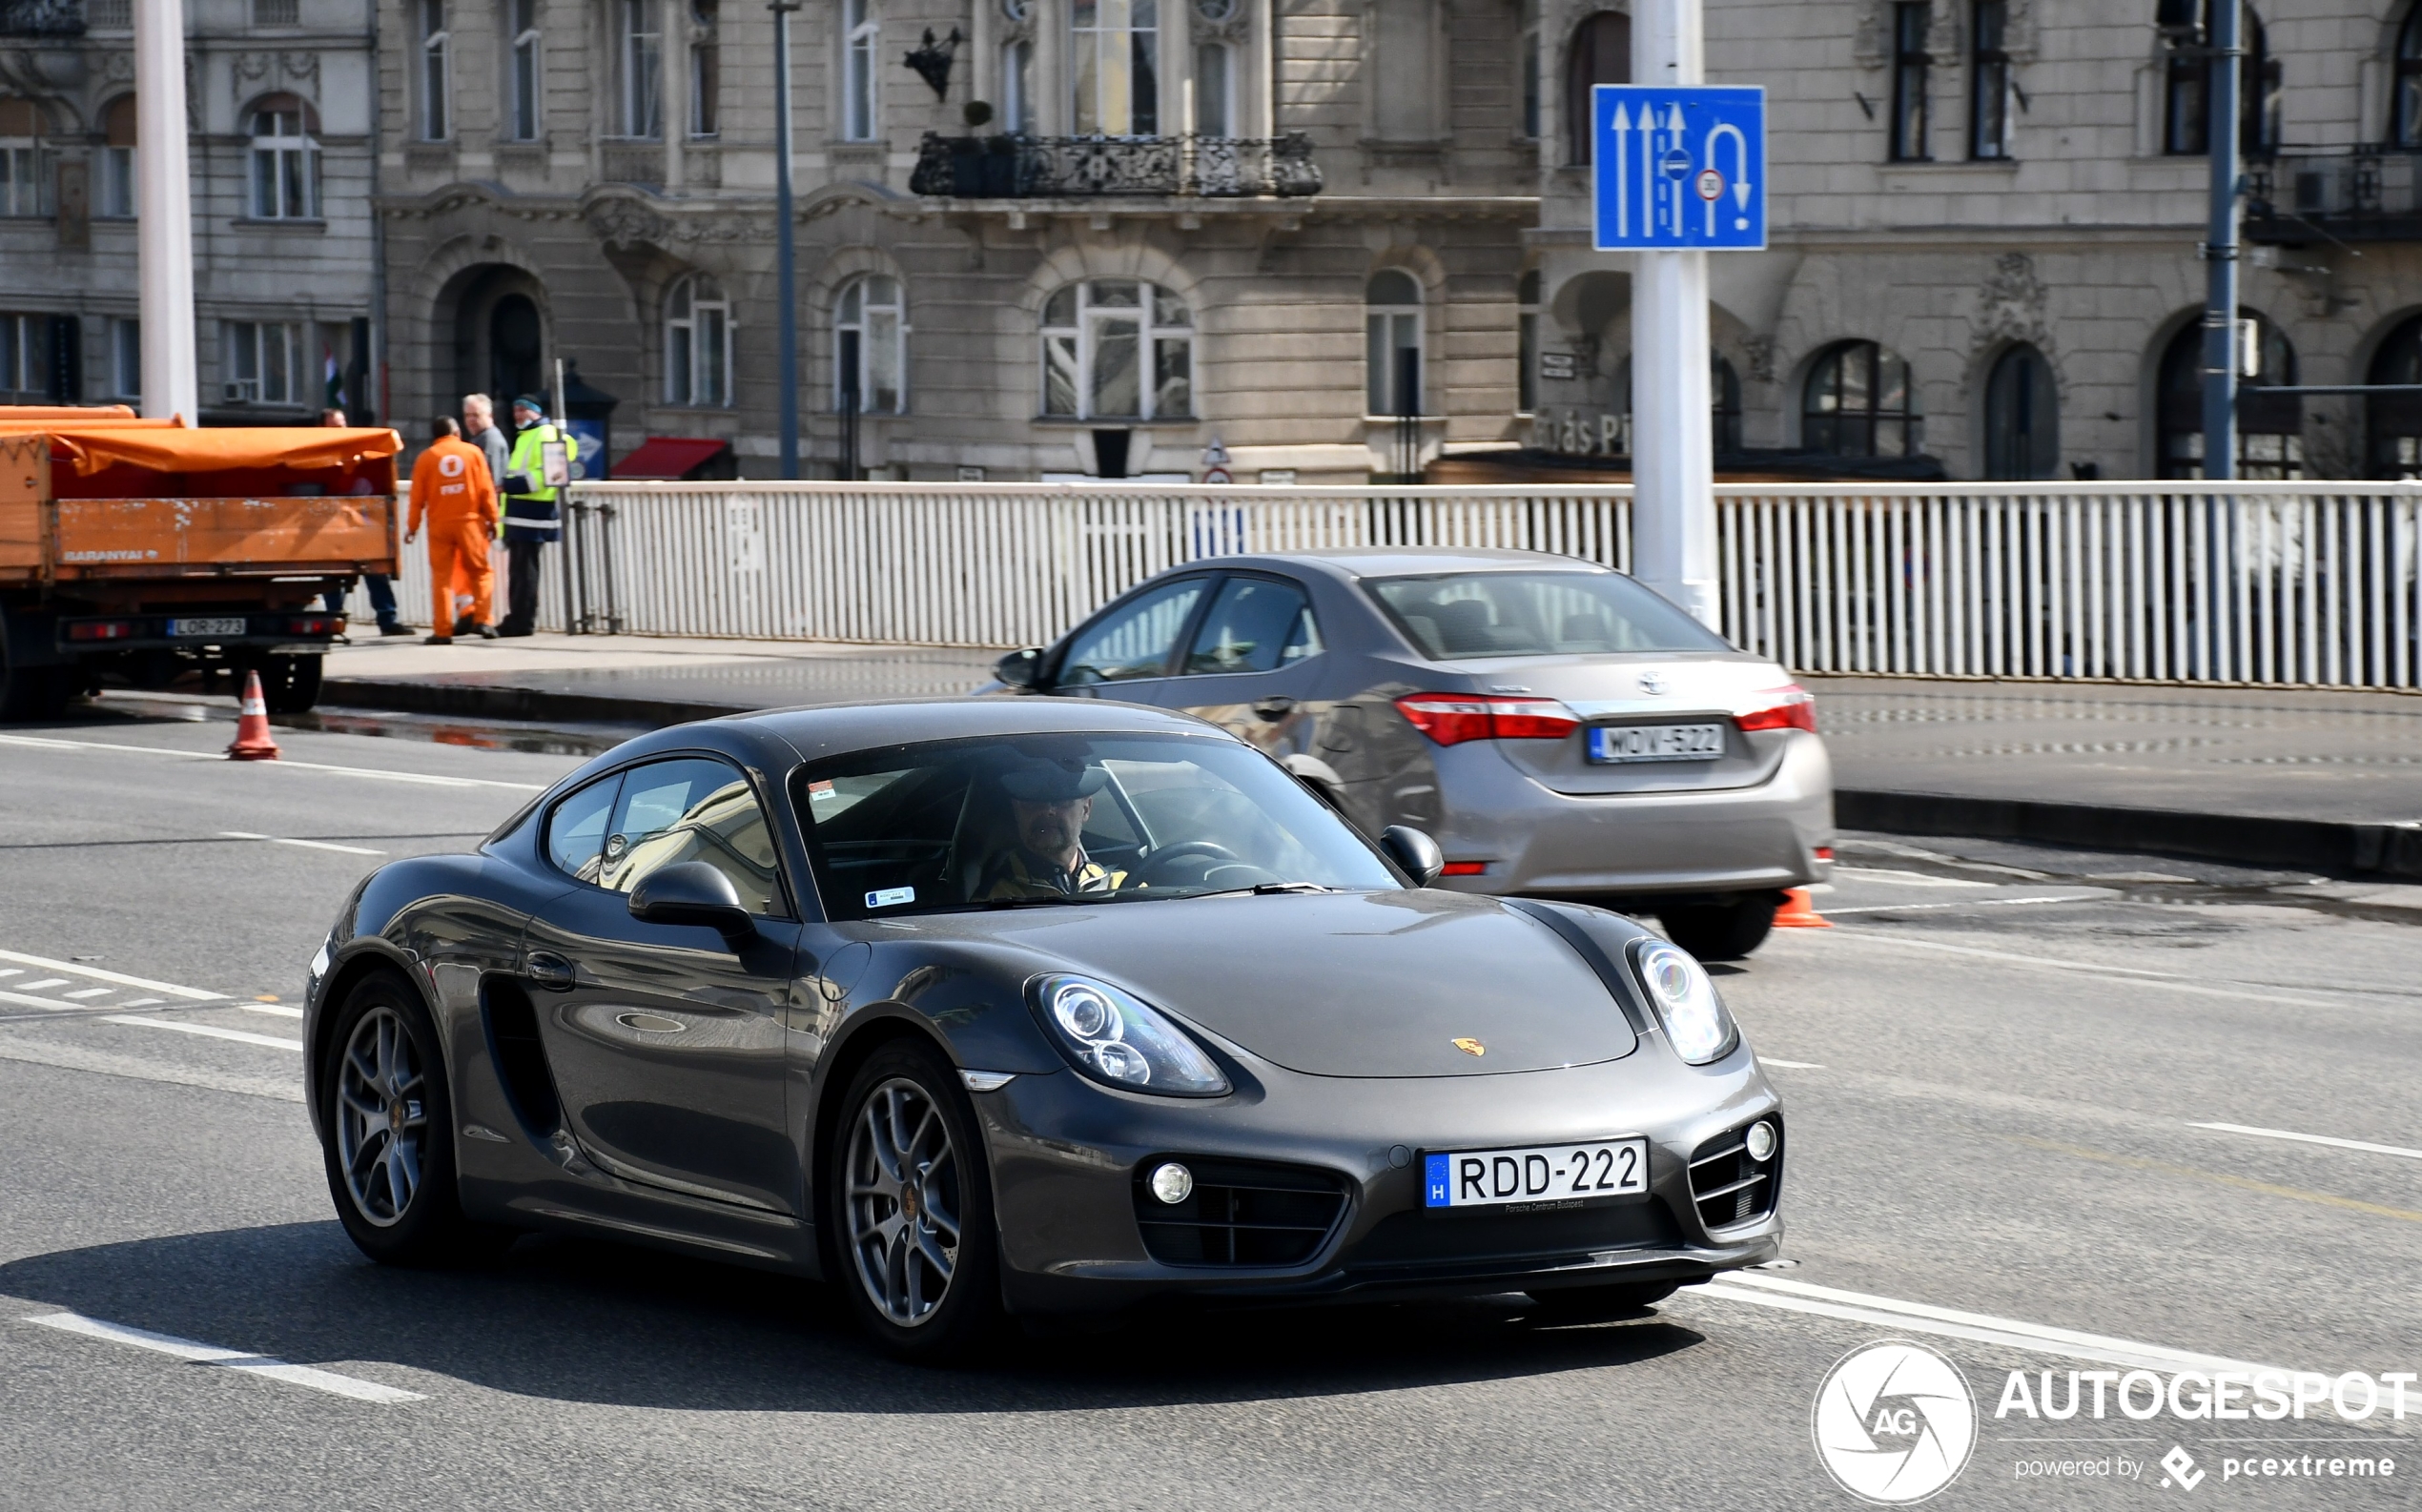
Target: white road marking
{"points": [[380, 773], [1972, 902], [2092, 967], [240, 1036], [91, 992], [1792, 1065], [2364, 1145], [274, 1010], [97, 975], [308, 844], [141, 1002], [235, 1360], [31, 1001], [1762, 1289], [1908, 879], [14, 971], [79, 1055], [47, 981]]}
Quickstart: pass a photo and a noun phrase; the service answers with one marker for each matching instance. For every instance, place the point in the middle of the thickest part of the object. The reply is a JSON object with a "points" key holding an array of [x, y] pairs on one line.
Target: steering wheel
{"points": [[1209, 849]]}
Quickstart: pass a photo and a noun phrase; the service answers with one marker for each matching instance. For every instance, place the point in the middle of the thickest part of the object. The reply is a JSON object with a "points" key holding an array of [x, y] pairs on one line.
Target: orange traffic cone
{"points": [[253, 743], [1798, 913]]}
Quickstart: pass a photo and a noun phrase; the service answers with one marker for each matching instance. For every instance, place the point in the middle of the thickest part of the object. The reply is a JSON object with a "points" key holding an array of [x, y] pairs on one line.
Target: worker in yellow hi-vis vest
{"points": [[534, 479]]}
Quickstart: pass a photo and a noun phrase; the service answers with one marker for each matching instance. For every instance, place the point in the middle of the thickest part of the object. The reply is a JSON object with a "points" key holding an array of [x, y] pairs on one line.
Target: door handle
{"points": [[1275, 708], [547, 969]]}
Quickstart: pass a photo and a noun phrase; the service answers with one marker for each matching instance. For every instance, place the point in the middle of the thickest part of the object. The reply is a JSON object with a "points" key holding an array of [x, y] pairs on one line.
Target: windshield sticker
{"points": [[819, 792], [890, 897]]}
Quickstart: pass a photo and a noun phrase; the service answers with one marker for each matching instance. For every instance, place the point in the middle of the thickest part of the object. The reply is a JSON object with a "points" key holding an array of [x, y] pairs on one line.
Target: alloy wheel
{"points": [[383, 1127], [904, 1201]]}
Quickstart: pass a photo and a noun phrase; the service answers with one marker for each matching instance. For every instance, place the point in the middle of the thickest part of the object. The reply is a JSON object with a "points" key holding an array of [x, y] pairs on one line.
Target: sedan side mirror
{"points": [[1021, 669], [694, 893], [1412, 850]]}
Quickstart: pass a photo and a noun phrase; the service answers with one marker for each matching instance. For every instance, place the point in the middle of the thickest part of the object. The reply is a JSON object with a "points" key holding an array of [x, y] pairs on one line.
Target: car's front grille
{"points": [[1488, 1236], [1239, 1213], [1729, 1187]]}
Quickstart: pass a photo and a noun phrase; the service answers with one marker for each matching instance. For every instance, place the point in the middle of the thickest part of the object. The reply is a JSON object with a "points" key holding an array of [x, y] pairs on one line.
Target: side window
{"points": [[576, 831], [1256, 624], [691, 809], [1133, 642]]}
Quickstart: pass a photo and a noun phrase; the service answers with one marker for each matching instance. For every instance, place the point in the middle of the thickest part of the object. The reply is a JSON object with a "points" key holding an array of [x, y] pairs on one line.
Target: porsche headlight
{"points": [[1695, 1022], [1117, 1039]]}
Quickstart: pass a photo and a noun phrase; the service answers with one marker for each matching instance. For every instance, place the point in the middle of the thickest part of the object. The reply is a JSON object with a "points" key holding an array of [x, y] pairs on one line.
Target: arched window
{"points": [[2270, 426], [697, 344], [525, 106], [1017, 87], [1860, 402], [1098, 337], [25, 161], [1527, 342], [2187, 110], [1114, 71], [637, 68], [1601, 54], [1392, 354], [434, 77], [2393, 421], [861, 39], [2406, 130], [706, 68], [870, 339], [285, 153], [2021, 417], [118, 159]]}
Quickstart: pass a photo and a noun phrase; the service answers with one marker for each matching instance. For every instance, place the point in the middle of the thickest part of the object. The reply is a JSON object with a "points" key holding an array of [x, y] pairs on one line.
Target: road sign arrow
{"points": [[1622, 165]]}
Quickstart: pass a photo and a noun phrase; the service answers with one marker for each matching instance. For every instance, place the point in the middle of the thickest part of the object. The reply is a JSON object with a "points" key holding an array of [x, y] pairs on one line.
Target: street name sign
{"points": [[1680, 168]]}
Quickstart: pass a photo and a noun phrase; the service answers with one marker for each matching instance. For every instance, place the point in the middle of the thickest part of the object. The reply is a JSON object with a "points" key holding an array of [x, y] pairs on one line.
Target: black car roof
{"points": [[1398, 561], [837, 730]]}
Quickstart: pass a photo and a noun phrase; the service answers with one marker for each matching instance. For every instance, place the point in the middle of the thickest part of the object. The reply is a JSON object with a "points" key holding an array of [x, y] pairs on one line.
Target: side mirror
{"points": [[694, 893], [1412, 850], [1021, 669]]}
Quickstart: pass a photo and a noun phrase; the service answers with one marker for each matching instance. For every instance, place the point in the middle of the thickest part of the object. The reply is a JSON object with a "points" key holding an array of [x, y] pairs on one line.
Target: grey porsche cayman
{"points": [[983, 1006]]}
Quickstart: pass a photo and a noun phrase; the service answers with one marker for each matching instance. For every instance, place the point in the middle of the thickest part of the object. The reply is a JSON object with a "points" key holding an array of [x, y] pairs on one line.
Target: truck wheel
{"points": [[1721, 932], [290, 685]]}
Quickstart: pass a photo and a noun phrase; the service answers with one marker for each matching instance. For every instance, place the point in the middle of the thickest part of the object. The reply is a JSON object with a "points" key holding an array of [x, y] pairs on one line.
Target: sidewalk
{"points": [[2330, 780]]}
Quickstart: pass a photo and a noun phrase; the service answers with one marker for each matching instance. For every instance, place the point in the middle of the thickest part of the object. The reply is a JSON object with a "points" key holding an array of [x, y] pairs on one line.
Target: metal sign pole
{"points": [[2220, 299], [1673, 466], [786, 241], [164, 206]]}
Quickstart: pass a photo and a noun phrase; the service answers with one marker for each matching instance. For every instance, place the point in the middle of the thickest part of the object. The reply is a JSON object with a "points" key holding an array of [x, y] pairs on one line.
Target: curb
{"points": [[502, 701], [2344, 847]]}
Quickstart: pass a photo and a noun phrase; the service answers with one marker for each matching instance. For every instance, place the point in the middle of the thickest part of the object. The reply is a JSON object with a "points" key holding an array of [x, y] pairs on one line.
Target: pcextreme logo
{"points": [[1893, 1422]]}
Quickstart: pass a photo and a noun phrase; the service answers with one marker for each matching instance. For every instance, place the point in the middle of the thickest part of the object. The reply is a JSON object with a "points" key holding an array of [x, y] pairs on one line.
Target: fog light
{"points": [[1173, 1183], [1760, 1141]]}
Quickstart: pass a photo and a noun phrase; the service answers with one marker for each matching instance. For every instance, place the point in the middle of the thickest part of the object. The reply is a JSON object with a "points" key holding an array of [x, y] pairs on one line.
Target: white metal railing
{"points": [[2295, 582]]}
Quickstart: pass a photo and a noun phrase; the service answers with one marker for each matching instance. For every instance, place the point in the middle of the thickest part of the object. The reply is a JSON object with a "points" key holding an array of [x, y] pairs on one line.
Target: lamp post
{"points": [[787, 317], [2220, 251], [164, 228]]}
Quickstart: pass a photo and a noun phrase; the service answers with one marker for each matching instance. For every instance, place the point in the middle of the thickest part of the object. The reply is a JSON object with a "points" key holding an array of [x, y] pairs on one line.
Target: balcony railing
{"points": [[2366, 192], [1085, 167], [41, 18]]}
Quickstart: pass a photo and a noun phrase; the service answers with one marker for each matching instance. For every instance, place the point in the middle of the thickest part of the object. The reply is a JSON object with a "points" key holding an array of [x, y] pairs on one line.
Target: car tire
{"points": [[1575, 1304], [389, 1152], [909, 1202], [1721, 932]]}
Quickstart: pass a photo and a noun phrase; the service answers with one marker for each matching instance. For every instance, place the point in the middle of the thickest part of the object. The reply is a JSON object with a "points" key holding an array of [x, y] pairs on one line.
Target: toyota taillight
{"points": [[1451, 719], [1790, 706]]}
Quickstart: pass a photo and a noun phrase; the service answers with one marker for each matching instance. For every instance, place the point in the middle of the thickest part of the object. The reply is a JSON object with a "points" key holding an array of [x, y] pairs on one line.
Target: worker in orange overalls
{"points": [[454, 495]]}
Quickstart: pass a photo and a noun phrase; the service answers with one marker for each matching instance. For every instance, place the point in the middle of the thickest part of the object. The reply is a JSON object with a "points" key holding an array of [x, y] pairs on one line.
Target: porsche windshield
{"points": [[957, 825]]}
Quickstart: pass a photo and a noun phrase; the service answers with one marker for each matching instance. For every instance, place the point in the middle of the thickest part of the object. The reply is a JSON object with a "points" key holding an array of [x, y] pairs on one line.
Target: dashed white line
{"points": [[272, 1010], [240, 1036], [1970, 903], [47, 981], [89, 991], [2162, 979], [235, 1359], [2364, 1145], [1908, 879], [31, 1001], [14, 971], [307, 845], [96, 974], [426, 778], [1790, 1065]]}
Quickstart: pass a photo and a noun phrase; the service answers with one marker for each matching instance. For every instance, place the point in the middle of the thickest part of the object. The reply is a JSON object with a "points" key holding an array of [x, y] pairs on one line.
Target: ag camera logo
{"points": [[1893, 1422]]}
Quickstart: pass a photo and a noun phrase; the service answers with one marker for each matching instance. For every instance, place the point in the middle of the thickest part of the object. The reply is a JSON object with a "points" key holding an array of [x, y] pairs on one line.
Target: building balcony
{"points": [[1091, 167], [2299, 195], [41, 18]]}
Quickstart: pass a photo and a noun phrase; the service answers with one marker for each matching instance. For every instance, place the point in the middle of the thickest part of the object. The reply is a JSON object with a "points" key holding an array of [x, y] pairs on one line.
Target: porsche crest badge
{"points": [[1471, 1047]]}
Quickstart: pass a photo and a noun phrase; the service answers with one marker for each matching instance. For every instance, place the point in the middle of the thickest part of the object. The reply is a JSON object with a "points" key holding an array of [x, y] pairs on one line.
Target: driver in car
{"points": [[1049, 802]]}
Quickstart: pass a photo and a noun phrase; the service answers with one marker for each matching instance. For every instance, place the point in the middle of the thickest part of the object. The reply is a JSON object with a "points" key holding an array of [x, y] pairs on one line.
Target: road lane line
{"points": [[1908, 879], [140, 1002], [1762, 1289], [14, 971], [1969, 903], [272, 1010], [85, 1057], [95, 973], [2326, 1199], [1791, 1065], [2162, 979], [235, 1359], [89, 991], [379, 772], [47, 981], [307, 845], [240, 1036], [31, 1001], [2313, 1139]]}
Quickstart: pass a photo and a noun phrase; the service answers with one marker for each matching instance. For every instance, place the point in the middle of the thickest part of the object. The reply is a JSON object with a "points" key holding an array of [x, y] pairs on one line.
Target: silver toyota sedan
{"points": [[1563, 731]]}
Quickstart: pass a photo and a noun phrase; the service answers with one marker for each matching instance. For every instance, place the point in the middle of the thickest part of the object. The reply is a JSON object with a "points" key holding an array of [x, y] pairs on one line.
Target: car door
{"points": [[1128, 651], [666, 1041], [1254, 664]]}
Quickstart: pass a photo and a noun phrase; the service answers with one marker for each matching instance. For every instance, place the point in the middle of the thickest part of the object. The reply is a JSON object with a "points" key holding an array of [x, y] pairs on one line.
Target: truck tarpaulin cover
{"points": [[89, 446]]}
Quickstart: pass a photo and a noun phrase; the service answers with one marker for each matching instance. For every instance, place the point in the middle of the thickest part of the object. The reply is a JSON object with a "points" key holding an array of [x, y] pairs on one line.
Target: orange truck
{"points": [[141, 550]]}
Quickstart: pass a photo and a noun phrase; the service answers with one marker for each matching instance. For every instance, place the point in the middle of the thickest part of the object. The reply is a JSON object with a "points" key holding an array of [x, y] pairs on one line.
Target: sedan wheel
{"points": [[383, 1121], [914, 1207], [1722, 931]]}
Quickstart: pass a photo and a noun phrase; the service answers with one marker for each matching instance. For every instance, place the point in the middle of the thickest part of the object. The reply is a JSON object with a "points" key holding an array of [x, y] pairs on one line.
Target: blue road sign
{"points": [[1680, 168]]}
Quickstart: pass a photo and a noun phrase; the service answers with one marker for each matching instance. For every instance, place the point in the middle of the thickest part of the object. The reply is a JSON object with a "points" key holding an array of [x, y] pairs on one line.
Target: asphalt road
{"points": [[1995, 1065]]}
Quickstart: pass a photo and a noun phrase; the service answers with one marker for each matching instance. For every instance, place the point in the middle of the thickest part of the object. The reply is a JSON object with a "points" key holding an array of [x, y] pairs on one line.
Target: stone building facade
{"points": [[1344, 236], [277, 95]]}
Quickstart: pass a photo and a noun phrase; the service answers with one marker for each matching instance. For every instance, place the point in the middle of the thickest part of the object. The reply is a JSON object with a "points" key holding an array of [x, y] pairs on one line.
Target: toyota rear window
{"points": [[1467, 615]]}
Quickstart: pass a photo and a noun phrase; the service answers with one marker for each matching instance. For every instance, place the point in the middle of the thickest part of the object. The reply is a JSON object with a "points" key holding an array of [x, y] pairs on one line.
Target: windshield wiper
{"points": [[1262, 889]]}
